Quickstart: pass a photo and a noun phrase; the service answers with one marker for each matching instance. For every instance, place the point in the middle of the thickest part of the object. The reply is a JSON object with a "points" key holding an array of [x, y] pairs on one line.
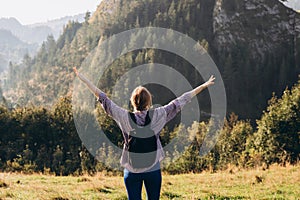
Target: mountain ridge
{"points": [[38, 32], [17, 40], [12, 49], [288, 22], [255, 44], [24, 32]]}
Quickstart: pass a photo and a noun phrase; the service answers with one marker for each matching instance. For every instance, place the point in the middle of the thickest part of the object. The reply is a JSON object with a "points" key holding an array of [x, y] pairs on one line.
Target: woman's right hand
{"points": [[210, 81]]}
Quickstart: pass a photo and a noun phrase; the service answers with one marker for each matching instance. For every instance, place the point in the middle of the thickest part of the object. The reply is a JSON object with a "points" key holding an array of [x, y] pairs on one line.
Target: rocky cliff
{"points": [[256, 44], [262, 24]]}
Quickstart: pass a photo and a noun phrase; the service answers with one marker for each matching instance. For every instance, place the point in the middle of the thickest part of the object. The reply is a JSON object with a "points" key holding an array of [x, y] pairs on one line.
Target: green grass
{"points": [[274, 183]]}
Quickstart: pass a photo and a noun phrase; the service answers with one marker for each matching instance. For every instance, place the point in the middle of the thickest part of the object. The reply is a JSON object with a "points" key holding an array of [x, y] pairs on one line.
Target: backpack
{"points": [[141, 144]]}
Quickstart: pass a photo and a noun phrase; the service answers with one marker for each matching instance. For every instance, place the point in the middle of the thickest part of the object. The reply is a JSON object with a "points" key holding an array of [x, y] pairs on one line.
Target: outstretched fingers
{"points": [[211, 80]]}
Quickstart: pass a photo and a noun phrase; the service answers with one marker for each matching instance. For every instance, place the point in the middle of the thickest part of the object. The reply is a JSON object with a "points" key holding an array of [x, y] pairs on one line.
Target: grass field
{"points": [[274, 183]]}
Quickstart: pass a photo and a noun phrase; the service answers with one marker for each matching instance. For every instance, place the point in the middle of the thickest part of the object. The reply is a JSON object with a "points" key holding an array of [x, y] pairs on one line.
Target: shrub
{"points": [[277, 139]]}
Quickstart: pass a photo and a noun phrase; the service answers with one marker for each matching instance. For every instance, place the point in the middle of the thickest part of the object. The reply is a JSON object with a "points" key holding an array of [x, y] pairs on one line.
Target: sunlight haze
{"points": [[34, 11]]}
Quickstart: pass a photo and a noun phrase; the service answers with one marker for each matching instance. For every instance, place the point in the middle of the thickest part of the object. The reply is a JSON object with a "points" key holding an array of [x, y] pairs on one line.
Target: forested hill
{"points": [[255, 44]]}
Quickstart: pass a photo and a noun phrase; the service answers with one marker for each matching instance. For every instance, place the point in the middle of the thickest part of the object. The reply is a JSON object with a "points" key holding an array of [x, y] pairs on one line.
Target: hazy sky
{"points": [[32, 11]]}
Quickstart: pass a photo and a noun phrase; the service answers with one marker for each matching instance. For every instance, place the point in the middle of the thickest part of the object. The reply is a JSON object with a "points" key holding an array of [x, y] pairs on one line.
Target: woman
{"points": [[141, 101]]}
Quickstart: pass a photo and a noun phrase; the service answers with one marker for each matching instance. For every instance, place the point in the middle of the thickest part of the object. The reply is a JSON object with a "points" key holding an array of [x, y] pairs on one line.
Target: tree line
{"points": [[37, 139]]}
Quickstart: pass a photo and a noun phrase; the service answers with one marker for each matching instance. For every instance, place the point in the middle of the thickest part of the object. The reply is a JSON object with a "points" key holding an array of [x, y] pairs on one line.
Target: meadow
{"points": [[274, 183]]}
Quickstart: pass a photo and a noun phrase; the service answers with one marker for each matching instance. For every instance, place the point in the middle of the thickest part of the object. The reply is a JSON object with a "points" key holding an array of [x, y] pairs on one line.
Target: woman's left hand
{"points": [[76, 71]]}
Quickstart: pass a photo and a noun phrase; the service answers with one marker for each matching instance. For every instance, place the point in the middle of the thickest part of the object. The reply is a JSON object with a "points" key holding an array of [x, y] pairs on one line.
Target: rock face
{"points": [[256, 44], [263, 24]]}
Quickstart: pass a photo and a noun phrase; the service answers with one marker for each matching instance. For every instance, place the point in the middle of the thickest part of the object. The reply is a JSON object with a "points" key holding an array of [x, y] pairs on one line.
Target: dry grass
{"points": [[274, 183]]}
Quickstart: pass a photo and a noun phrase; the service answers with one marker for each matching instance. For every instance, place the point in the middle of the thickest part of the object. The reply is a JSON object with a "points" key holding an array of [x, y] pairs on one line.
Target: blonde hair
{"points": [[141, 99]]}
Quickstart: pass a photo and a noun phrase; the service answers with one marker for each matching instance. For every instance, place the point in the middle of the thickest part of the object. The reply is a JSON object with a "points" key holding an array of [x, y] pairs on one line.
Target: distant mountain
{"points": [[13, 49], [37, 33], [57, 25], [7, 38], [25, 33], [3, 62], [16, 39]]}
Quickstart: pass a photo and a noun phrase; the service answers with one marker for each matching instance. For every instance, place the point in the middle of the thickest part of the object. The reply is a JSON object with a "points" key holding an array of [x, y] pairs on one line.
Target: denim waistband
{"points": [[154, 168]]}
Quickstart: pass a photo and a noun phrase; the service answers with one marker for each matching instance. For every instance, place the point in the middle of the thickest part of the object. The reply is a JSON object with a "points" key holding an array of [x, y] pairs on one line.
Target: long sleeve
{"points": [[176, 105], [116, 112], [119, 114], [164, 114]]}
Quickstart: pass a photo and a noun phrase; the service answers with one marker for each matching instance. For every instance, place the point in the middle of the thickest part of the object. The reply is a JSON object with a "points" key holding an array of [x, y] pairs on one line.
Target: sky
{"points": [[34, 11]]}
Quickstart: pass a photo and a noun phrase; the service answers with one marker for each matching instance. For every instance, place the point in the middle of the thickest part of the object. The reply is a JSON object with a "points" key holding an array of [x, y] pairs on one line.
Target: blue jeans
{"points": [[134, 183]]}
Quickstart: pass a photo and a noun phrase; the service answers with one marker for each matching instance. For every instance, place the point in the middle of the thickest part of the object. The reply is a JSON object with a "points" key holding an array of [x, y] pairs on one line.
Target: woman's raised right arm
{"points": [[177, 104], [201, 87]]}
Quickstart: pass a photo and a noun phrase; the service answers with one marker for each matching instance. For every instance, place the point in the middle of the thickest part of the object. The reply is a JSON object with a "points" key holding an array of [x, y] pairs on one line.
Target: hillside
{"points": [[262, 41], [17, 40], [255, 44], [38, 32], [57, 25], [25, 33], [7, 38], [12, 49]]}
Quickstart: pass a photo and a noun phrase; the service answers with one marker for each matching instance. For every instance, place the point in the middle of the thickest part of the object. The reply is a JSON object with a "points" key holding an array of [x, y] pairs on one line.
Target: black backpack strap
{"points": [[148, 117], [132, 119]]}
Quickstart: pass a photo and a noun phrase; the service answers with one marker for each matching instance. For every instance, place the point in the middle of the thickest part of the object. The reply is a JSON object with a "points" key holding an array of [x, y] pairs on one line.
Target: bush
{"points": [[277, 139], [232, 141]]}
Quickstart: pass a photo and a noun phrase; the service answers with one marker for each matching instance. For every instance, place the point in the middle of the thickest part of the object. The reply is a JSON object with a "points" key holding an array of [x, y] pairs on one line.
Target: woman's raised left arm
{"points": [[118, 113], [96, 91]]}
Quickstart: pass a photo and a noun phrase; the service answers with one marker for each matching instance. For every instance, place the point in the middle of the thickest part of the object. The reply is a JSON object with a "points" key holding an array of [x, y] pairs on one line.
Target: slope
{"points": [[255, 44]]}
